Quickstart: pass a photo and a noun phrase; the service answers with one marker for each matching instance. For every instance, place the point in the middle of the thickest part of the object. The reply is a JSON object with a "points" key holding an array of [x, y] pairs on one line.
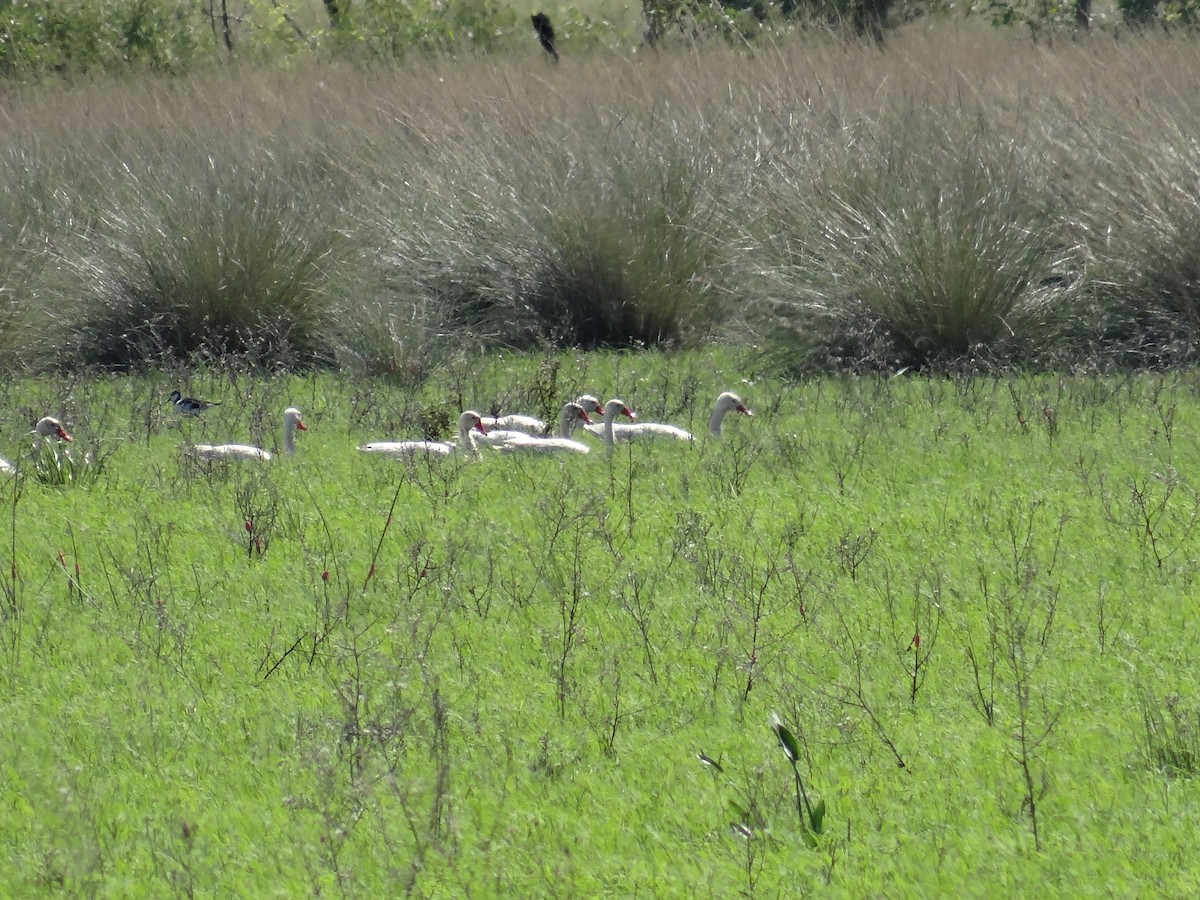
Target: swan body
{"points": [[636, 431], [293, 421], [514, 422], [639, 431], [407, 449], [726, 402], [212, 452], [517, 442], [190, 406]]}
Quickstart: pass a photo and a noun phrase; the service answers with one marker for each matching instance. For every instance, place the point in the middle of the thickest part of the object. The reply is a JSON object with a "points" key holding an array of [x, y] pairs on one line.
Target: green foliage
{"points": [[57, 464], [110, 35], [387, 30], [396, 663]]}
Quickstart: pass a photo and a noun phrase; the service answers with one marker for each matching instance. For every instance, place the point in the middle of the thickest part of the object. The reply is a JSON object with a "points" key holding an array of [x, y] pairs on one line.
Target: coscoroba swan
{"points": [[645, 430], [518, 442], [726, 402], [405, 449], [635, 431], [46, 427], [293, 421]]}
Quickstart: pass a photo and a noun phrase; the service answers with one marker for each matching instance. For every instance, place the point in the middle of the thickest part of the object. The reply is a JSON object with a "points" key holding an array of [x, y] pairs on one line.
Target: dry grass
{"points": [[963, 191]]}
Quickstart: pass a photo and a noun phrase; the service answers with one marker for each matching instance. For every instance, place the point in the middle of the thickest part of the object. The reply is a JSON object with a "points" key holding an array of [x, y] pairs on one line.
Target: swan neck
{"points": [[715, 420], [289, 437]]}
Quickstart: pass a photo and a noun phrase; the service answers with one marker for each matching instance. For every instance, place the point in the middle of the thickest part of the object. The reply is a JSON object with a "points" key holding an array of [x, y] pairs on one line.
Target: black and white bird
{"points": [[190, 406], [545, 33]]}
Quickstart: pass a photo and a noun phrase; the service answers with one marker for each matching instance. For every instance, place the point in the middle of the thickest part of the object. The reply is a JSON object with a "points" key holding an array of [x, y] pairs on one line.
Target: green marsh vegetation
{"points": [[966, 599], [901, 634]]}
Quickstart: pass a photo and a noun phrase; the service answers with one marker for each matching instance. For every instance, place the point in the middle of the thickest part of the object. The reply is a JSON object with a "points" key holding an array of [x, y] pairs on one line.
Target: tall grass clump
{"points": [[626, 255], [31, 199], [201, 261], [871, 206], [1171, 735], [925, 241], [1141, 225], [563, 224]]}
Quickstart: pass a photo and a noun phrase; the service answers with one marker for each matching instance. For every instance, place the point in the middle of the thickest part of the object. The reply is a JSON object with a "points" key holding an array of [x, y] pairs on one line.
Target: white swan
{"points": [[612, 409], [190, 406], [644, 430], [726, 402], [293, 421], [46, 427], [633, 432], [519, 442], [402, 449]]}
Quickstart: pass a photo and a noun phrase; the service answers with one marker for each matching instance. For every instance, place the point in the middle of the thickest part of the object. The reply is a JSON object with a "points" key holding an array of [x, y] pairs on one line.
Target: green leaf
{"points": [[787, 740], [817, 819]]}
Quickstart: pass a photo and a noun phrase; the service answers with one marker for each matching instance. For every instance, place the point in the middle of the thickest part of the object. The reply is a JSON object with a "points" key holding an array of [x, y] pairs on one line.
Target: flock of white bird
{"points": [[505, 434]]}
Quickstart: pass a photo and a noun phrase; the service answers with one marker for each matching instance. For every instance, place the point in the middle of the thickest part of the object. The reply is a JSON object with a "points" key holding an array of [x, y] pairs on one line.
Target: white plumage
{"points": [[514, 422], [406, 449], [293, 421], [637, 431], [519, 442]]}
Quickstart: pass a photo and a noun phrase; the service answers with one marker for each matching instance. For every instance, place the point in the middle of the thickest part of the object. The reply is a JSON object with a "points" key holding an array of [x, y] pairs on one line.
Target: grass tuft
{"points": [[221, 265], [927, 244], [1172, 735]]}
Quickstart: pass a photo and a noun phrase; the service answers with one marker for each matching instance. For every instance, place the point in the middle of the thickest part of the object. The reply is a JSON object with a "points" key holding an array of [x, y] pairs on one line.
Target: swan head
{"points": [[471, 419], [576, 412], [731, 401], [48, 426], [590, 404], [614, 408], [292, 419]]}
